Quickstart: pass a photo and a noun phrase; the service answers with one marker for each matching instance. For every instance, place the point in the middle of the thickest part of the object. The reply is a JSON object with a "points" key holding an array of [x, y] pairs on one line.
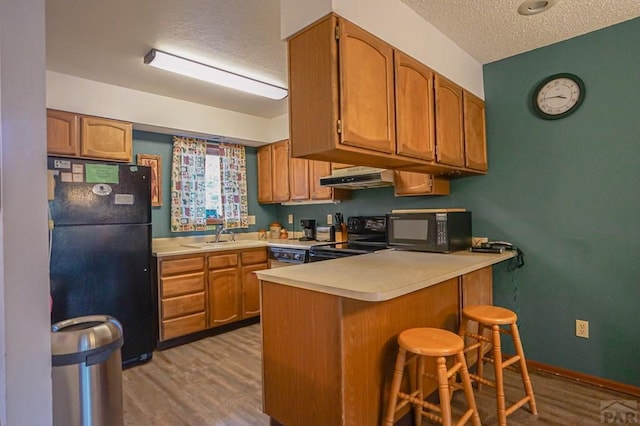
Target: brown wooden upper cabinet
{"points": [[265, 189], [299, 179], [354, 99], [317, 170], [273, 172], [475, 136], [449, 125], [341, 96], [76, 135], [414, 108], [367, 90], [413, 184], [282, 178]]}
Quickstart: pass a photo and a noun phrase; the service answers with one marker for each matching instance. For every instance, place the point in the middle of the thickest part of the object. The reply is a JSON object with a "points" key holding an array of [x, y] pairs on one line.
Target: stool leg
{"points": [[395, 387], [480, 361], [443, 391], [526, 381], [468, 389], [417, 409], [497, 363]]}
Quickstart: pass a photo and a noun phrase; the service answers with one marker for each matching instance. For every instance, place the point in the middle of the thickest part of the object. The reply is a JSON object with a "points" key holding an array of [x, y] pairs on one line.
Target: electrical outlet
{"points": [[329, 219], [582, 328], [290, 219], [251, 219]]}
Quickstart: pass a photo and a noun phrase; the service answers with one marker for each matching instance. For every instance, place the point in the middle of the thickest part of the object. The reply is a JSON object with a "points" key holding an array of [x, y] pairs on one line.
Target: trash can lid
{"points": [[86, 333]]}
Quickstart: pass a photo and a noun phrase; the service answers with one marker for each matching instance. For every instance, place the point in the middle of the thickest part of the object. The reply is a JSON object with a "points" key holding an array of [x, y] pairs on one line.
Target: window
{"points": [[208, 185], [213, 204]]}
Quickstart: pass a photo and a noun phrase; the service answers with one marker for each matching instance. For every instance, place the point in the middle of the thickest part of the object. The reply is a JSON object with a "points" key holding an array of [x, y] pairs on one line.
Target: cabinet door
{"points": [[415, 130], [63, 133], [366, 90], [317, 170], [411, 183], [449, 136], [105, 139], [299, 179], [251, 290], [475, 139], [265, 193], [224, 296], [280, 171]]}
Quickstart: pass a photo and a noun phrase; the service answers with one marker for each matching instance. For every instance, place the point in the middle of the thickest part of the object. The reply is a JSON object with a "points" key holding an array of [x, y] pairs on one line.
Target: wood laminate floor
{"points": [[217, 381]]}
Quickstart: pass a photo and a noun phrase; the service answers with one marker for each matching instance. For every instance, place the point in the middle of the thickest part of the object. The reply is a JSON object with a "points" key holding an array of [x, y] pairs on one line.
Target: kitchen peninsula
{"points": [[329, 328]]}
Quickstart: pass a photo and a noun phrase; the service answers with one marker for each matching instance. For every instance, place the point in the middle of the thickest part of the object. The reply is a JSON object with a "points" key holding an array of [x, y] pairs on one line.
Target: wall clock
{"points": [[558, 95]]}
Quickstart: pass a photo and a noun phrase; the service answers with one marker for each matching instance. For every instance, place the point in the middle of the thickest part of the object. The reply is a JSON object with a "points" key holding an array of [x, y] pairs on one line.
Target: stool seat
{"points": [[430, 342], [488, 314]]}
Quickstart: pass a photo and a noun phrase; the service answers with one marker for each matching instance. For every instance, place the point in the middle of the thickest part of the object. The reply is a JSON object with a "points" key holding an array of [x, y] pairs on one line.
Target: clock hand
{"points": [[558, 96]]}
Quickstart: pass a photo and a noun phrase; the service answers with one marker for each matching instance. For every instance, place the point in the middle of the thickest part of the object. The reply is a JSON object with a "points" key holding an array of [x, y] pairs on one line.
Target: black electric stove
{"points": [[366, 234]]}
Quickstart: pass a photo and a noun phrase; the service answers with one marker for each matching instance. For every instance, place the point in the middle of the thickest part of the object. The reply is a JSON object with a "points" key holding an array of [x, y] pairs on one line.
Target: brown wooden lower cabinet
{"points": [[181, 296], [183, 325], [251, 290], [224, 297], [201, 291]]}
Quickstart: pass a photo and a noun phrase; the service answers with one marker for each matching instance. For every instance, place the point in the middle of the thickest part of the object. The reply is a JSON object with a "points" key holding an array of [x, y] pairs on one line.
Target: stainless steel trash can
{"points": [[87, 371]]}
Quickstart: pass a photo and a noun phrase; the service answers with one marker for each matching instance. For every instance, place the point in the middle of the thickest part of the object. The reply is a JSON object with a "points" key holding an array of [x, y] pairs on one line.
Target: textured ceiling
{"points": [[106, 40], [490, 30]]}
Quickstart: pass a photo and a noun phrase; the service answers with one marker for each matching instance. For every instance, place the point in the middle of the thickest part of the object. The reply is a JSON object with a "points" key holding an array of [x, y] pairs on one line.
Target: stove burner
{"points": [[366, 235]]}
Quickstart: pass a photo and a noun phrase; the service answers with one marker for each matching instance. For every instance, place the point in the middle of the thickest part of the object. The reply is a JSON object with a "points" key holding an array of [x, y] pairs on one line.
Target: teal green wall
{"points": [[160, 144], [567, 192]]}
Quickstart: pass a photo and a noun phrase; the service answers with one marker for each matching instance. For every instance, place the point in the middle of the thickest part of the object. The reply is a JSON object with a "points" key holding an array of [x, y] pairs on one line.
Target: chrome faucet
{"points": [[219, 230]]}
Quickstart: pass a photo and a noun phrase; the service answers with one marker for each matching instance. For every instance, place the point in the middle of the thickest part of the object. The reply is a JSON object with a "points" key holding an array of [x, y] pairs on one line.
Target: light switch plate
{"points": [[251, 219], [329, 219]]}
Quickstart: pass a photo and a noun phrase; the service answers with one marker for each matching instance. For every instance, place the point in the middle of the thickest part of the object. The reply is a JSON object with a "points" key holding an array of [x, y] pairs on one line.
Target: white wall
{"points": [[398, 25], [25, 345], [278, 128], [297, 14], [157, 113]]}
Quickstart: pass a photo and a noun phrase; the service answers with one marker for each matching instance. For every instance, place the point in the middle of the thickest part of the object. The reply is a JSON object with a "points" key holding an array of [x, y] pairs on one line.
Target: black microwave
{"points": [[435, 232]]}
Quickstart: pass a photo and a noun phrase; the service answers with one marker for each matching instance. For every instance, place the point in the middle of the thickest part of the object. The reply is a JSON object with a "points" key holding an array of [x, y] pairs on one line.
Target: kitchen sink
{"points": [[224, 244]]}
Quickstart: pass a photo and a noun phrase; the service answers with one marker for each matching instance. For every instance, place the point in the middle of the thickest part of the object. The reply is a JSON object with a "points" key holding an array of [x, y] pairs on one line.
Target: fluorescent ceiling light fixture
{"points": [[173, 63]]}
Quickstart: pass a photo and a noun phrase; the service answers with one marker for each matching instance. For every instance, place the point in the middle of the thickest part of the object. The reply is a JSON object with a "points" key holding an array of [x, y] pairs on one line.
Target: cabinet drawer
{"points": [[182, 305], [253, 256], [181, 284], [181, 266], [183, 326], [223, 260]]}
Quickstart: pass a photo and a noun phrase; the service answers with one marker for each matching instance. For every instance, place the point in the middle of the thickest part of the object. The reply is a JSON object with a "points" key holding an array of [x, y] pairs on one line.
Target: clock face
{"points": [[558, 96]]}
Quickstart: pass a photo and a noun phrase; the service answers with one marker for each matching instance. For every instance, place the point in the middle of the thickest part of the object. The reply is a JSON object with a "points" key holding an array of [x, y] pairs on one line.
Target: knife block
{"points": [[341, 233]]}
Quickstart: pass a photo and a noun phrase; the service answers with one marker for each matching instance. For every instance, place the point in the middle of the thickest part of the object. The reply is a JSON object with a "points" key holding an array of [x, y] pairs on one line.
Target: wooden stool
{"points": [[437, 343], [494, 317]]}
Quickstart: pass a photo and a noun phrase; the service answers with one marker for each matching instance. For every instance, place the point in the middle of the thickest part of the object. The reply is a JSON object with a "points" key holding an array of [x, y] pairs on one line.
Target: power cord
{"points": [[518, 261], [515, 264]]}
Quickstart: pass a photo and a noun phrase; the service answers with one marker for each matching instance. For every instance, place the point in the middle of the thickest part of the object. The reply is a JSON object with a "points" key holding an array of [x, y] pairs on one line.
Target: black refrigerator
{"points": [[100, 248]]}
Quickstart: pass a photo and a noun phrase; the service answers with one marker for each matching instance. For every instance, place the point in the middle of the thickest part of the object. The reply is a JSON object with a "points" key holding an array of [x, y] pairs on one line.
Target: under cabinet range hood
{"points": [[359, 177]]}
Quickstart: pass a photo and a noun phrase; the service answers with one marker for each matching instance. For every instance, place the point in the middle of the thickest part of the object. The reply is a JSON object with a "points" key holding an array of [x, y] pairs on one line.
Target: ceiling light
{"points": [[532, 7], [173, 63]]}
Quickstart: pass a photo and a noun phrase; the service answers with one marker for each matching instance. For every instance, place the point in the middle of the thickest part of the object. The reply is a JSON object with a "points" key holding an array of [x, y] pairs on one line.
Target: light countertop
{"points": [[195, 245], [382, 275]]}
